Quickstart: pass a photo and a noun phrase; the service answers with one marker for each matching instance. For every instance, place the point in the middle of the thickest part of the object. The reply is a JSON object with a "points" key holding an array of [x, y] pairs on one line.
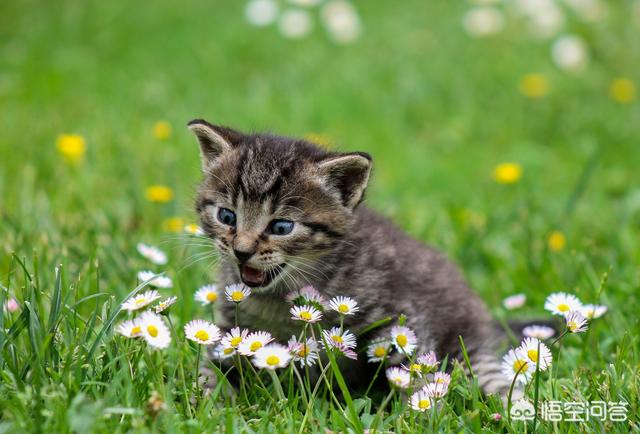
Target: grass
{"points": [[436, 109]]}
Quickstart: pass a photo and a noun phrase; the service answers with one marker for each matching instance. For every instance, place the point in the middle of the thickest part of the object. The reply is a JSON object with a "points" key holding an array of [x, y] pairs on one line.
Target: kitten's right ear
{"points": [[214, 140]]}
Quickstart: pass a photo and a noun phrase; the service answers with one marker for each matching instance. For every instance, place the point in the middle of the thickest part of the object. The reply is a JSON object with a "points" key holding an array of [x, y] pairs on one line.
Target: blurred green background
{"points": [[437, 95]]}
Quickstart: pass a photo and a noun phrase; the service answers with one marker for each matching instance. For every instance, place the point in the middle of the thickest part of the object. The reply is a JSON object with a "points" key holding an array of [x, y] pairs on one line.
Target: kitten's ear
{"points": [[214, 140], [348, 175]]}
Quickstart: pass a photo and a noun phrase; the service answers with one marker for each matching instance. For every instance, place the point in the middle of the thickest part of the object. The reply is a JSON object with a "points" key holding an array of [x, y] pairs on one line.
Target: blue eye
{"points": [[227, 216], [281, 227]]}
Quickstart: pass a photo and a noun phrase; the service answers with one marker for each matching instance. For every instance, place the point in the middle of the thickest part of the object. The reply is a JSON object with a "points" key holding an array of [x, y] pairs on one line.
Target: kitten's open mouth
{"points": [[254, 278]]}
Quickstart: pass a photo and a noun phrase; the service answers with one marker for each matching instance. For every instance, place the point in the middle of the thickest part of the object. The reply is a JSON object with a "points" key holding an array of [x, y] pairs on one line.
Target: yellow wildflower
{"points": [[173, 224], [556, 241], [318, 139], [71, 146], [534, 85], [159, 193], [622, 90], [507, 173], [162, 130]]}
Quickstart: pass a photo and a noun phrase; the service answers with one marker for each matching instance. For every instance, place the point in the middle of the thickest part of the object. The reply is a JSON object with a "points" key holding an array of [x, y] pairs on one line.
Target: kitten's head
{"points": [[274, 206]]}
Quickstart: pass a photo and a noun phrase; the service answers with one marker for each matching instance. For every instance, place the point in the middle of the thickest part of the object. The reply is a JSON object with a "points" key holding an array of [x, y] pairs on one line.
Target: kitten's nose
{"points": [[243, 256]]}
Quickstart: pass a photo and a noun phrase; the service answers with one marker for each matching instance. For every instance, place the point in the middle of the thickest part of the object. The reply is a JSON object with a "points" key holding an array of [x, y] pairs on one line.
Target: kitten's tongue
{"points": [[252, 276]]}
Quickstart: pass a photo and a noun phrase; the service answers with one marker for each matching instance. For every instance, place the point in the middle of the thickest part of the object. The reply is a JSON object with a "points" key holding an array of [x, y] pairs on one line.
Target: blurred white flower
{"points": [[261, 13], [304, 353], [420, 401], [439, 385], [378, 350], [404, 339], [193, 229], [295, 23], [514, 301], [561, 303], [545, 16], [306, 295], [576, 322], [207, 294], [140, 300], [272, 356], [483, 21], [305, 3], [165, 304], [570, 53], [588, 10], [591, 311], [154, 330], [130, 328], [158, 281], [152, 253], [341, 21], [399, 377], [538, 331]]}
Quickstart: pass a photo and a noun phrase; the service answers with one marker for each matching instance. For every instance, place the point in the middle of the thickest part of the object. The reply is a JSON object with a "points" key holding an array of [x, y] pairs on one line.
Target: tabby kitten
{"points": [[284, 213]]}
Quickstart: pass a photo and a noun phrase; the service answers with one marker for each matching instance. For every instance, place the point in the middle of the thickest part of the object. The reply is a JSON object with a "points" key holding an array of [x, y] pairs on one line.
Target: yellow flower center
{"points": [[572, 326], [337, 338], [227, 351], [402, 340], [440, 380], [152, 330], [202, 335], [305, 315], [162, 130], [303, 351], [556, 241], [273, 360], [507, 173], [255, 346], [534, 85], [563, 307], [140, 301], [379, 352], [192, 228], [623, 90], [236, 341], [533, 355], [212, 296], [71, 146], [136, 330], [423, 404], [415, 367], [173, 224], [520, 366], [237, 295], [343, 308]]}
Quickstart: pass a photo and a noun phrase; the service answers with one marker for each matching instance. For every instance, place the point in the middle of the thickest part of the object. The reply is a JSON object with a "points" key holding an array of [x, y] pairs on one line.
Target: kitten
{"points": [[284, 213]]}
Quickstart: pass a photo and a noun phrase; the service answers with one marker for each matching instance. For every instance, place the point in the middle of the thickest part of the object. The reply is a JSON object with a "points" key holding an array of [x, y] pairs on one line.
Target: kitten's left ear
{"points": [[214, 140], [348, 175]]}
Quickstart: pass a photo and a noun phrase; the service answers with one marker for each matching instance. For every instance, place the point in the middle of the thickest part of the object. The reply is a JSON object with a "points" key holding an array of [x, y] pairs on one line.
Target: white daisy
{"points": [[193, 229], [576, 322], [438, 385], [570, 53], [207, 294], [428, 360], [237, 292], [305, 313], [483, 21], [307, 295], [295, 23], [538, 331], [404, 339], [378, 350], [152, 253], [344, 305], [165, 304], [515, 362], [272, 356], [221, 352], [253, 342], [202, 332], [157, 281], [591, 311], [130, 328], [234, 338], [154, 330], [140, 300], [334, 338], [261, 13], [304, 353], [398, 377], [560, 303], [514, 301], [535, 354], [341, 21], [420, 400]]}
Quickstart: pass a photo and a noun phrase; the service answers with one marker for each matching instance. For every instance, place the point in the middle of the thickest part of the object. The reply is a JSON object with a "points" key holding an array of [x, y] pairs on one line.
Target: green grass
{"points": [[436, 109]]}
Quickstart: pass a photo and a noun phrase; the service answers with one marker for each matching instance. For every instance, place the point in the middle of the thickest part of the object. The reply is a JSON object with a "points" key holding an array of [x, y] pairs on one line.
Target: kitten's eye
{"points": [[227, 216], [281, 227]]}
